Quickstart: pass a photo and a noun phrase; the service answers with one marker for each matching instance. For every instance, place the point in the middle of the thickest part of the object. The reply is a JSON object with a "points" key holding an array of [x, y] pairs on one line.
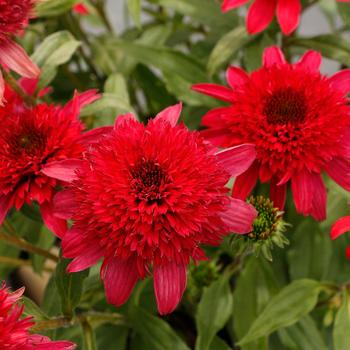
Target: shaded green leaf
{"points": [[284, 309], [157, 334], [341, 331], [52, 8], [213, 312], [70, 286]]}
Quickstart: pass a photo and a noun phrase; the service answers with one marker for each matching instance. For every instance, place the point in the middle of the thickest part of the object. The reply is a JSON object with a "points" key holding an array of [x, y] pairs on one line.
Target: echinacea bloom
{"points": [[80, 9], [340, 227], [15, 330], [297, 118], [262, 12], [34, 143], [145, 199], [14, 17]]}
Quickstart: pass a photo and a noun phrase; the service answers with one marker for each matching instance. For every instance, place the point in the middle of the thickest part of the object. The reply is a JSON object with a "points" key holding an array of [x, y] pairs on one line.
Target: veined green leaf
{"points": [[286, 308]]}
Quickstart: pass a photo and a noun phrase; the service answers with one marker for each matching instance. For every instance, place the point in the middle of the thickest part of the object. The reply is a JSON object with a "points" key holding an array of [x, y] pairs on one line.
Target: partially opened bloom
{"points": [[297, 118], [262, 12], [14, 17], [339, 228], [34, 143], [15, 329], [145, 200]]}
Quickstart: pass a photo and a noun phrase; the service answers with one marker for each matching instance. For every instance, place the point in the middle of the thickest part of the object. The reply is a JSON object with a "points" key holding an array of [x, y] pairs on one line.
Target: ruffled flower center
{"points": [[285, 106], [147, 180], [14, 15]]}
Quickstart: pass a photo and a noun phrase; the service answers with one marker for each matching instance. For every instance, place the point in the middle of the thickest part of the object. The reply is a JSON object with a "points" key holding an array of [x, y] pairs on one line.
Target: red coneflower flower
{"points": [[34, 143], [298, 120], [14, 17], [262, 12], [15, 331], [146, 199], [340, 227]]}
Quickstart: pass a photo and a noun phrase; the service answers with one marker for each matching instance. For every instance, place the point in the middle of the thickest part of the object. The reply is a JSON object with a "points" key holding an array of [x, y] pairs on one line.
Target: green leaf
{"points": [[208, 13], [284, 309], [157, 333], [51, 304], [303, 335], [219, 344], [134, 7], [32, 309], [213, 312], [53, 8], [308, 244], [226, 47], [341, 331], [255, 286], [55, 50], [166, 59], [110, 337], [344, 12], [330, 46], [108, 100], [70, 286]]}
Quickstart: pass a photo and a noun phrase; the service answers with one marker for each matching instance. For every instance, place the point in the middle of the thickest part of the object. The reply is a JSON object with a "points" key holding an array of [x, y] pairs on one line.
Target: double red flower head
{"points": [[34, 144], [145, 199], [297, 118]]}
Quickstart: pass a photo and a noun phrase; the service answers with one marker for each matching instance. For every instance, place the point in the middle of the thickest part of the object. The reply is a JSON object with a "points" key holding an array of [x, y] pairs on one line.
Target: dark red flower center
{"points": [[285, 106], [147, 179], [14, 15]]}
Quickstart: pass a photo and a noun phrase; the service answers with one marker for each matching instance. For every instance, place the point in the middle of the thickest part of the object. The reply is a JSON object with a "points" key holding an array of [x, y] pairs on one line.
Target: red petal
{"points": [[94, 135], [319, 200], [339, 170], [79, 101], [245, 183], [89, 257], [80, 9], [311, 61], [278, 194], [340, 227], [14, 57], [124, 118], [56, 225], [217, 91], [119, 278], [273, 56], [239, 217], [232, 4], [4, 207], [170, 114], [169, 286], [64, 204], [260, 15], [341, 81], [2, 90], [288, 15], [309, 194], [237, 159], [236, 77], [64, 170]]}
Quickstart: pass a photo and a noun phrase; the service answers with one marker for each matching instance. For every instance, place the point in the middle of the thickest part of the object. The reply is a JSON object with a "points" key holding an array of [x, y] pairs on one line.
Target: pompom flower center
{"points": [[147, 181], [14, 15], [285, 106]]}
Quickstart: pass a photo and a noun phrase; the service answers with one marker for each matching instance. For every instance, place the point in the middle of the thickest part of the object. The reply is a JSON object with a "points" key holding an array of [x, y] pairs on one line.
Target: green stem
{"points": [[24, 245], [89, 336]]}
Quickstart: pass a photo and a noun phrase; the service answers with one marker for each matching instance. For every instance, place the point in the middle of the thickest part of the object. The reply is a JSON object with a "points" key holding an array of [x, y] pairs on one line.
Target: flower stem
{"points": [[5, 260], [24, 245]]}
